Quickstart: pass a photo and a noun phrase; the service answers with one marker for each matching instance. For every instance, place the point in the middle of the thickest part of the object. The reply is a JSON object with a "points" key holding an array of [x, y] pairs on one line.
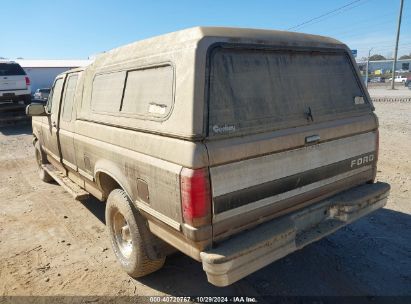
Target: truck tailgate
{"points": [[284, 179]]}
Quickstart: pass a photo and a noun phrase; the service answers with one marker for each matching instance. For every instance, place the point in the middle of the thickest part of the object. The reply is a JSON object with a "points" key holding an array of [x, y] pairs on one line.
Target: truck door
{"points": [[66, 122], [50, 123]]}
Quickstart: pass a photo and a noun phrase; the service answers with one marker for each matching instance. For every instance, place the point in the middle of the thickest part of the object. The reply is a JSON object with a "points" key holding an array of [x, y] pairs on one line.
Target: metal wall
{"points": [[43, 77]]}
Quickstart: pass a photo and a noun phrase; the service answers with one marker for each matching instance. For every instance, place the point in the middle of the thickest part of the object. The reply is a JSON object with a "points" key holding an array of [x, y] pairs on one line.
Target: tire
{"points": [[126, 240], [41, 160], [27, 100]]}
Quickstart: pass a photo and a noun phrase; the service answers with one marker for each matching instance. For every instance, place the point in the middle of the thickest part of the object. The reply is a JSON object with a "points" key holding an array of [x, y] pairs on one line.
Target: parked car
{"points": [[224, 143], [41, 94], [14, 83], [408, 81], [377, 79]]}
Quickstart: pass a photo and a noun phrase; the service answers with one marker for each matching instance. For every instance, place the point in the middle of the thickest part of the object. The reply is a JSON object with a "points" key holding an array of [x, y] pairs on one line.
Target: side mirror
{"points": [[36, 109]]}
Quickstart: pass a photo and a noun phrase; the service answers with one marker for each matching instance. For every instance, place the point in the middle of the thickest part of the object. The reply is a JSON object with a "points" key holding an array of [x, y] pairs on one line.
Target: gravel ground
{"points": [[384, 91], [52, 245]]}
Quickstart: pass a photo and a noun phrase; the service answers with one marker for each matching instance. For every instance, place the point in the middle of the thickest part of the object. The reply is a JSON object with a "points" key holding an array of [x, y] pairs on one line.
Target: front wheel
{"points": [[125, 236]]}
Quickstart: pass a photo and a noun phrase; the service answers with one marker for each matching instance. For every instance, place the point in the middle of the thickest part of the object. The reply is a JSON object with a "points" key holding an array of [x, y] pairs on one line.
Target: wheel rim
{"points": [[122, 234]]}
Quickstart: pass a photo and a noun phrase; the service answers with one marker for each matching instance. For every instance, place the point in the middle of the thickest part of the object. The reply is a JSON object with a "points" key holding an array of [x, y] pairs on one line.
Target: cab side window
{"points": [[53, 102], [68, 100]]}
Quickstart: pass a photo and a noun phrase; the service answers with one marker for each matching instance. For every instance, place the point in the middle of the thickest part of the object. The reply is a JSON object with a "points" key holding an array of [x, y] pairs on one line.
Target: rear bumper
{"points": [[254, 249]]}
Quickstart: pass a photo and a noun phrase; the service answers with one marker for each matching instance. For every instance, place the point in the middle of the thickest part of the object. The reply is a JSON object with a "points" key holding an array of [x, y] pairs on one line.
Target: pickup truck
{"points": [[228, 145], [399, 78]]}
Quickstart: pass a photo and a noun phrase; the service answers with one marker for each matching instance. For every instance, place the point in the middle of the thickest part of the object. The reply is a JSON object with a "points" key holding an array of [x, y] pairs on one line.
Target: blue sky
{"points": [[75, 29]]}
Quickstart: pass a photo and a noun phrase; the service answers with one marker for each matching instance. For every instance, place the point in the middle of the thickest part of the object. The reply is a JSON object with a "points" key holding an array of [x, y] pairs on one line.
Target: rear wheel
{"points": [[41, 160], [126, 240]]}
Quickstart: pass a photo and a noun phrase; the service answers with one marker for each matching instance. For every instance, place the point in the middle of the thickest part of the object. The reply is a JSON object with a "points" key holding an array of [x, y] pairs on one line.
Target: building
{"points": [[385, 66], [43, 72]]}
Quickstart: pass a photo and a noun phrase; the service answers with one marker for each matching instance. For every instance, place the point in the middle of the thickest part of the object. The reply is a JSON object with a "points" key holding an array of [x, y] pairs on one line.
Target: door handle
{"points": [[312, 139]]}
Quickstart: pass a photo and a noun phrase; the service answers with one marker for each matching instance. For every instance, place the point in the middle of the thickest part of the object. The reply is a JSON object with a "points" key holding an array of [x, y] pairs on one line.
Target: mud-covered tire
{"points": [[126, 240], [41, 160]]}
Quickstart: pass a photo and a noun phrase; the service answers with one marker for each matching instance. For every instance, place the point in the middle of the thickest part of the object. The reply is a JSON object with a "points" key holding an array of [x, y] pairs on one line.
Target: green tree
{"points": [[406, 56], [376, 57]]}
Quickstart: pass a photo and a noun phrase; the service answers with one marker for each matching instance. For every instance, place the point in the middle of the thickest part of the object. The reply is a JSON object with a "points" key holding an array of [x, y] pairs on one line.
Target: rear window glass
{"points": [[258, 90], [149, 91], [107, 92], [11, 69]]}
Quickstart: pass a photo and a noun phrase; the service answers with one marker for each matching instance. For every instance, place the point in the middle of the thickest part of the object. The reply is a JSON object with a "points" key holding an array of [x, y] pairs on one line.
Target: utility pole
{"points": [[396, 45], [366, 69]]}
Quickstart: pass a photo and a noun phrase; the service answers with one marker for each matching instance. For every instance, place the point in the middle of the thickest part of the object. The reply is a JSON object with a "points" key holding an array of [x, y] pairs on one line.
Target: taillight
{"points": [[27, 81], [195, 196]]}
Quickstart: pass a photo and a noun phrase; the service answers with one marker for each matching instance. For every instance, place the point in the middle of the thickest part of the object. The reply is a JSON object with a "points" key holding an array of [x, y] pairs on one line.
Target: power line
{"points": [[335, 14], [324, 15]]}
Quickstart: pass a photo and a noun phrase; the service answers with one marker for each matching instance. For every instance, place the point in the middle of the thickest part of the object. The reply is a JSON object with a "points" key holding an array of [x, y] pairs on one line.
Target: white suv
{"points": [[14, 83]]}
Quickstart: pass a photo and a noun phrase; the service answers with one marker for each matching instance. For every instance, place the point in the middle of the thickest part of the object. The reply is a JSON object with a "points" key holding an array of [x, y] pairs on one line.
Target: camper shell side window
{"points": [[146, 93]]}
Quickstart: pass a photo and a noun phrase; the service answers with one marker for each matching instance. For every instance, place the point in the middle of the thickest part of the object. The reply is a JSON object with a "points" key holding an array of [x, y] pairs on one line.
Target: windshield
{"points": [[259, 90]]}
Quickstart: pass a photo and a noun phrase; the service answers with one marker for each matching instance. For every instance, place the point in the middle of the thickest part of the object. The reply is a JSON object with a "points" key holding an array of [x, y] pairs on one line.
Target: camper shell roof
{"points": [[186, 52], [205, 36]]}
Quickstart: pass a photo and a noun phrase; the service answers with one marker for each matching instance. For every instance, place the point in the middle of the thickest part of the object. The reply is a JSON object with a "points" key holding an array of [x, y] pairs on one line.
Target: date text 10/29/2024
{"points": [[203, 299]]}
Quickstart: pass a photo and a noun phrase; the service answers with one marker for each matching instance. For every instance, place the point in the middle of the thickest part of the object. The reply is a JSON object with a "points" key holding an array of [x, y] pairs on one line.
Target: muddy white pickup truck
{"points": [[234, 146]]}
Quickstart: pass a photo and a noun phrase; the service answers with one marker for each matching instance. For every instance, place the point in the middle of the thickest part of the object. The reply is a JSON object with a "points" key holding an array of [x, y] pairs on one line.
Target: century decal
{"points": [[223, 129], [362, 160]]}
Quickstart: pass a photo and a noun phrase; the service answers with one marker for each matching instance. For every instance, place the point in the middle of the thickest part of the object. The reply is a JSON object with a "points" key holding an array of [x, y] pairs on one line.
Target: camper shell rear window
{"points": [[254, 90]]}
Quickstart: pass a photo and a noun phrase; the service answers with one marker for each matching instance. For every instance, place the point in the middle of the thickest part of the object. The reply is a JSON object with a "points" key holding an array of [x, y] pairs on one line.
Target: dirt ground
{"points": [[384, 90], [51, 244]]}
